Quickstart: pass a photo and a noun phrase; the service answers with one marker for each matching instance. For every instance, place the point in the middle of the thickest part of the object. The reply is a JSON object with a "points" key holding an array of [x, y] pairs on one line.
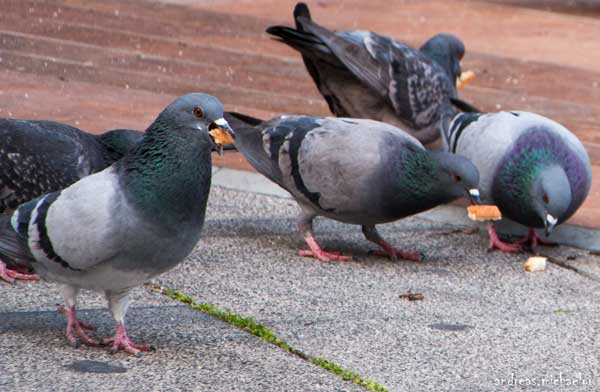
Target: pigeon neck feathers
{"points": [[427, 179], [539, 175], [157, 180], [117, 143]]}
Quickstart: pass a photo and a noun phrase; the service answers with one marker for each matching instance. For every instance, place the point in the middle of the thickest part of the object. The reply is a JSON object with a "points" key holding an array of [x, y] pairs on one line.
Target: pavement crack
{"points": [[248, 324], [570, 267]]}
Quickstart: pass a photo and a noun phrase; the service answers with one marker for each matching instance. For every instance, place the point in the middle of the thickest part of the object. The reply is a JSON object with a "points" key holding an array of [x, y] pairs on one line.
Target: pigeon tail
{"points": [[238, 120], [306, 43], [301, 10], [464, 106], [12, 252]]}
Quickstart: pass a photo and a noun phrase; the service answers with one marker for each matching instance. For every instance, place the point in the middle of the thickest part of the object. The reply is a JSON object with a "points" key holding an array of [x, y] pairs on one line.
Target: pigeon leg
{"points": [[10, 275], [373, 235], [75, 328], [534, 240], [497, 243], [118, 303], [305, 227], [63, 310]]}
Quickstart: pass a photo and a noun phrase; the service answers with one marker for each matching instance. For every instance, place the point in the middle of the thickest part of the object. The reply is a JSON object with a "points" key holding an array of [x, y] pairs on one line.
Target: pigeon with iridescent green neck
{"points": [[355, 171], [37, 157], [116, 229], [534, 169]]}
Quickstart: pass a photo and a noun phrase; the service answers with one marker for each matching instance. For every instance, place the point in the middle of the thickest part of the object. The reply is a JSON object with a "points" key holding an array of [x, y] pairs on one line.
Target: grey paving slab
{"points": [[483, 319], [247, 181], [195, 352]]}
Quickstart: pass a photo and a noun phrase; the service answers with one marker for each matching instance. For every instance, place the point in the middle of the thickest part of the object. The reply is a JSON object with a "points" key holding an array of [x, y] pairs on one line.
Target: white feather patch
{"points": [[34, 235], [81, 223]]}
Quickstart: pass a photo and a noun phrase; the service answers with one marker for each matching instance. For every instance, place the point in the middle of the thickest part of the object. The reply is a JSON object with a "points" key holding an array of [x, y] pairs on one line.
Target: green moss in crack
{"points": [[250, 325], [564, 311], [347, 375]]}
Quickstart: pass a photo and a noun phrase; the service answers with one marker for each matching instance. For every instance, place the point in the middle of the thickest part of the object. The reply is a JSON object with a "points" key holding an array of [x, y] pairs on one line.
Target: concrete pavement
{"points": [[483, 323]]}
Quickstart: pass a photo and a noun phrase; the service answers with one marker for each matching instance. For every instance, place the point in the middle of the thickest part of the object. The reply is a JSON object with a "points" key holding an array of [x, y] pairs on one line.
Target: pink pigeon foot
{"points": [[89, 327], [9, 275], [497, 243], [534, 240], [316, 251], [75, 328], [122, 342], [371, 234], [324, 256], [395, 253]]}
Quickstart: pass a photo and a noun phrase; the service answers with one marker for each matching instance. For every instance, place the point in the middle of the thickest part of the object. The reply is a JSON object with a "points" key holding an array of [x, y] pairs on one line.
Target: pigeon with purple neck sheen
{"points": [[366, 75], [37, 157], [355, 171], [535, 170], [118, 228]]}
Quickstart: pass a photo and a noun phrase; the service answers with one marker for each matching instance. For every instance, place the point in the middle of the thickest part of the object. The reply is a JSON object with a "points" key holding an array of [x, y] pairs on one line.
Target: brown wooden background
{"points": [[105, 64]]}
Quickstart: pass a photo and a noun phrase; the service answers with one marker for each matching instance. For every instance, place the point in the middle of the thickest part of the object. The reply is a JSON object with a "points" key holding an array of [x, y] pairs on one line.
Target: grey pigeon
{"points": [[535, 170], [355, 171], [116, 229], [37, 157], [366, 75]]}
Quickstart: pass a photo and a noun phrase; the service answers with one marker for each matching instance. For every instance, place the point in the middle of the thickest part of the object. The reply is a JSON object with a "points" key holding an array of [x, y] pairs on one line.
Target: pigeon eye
{"points": [[457, 178], [198, 112], [546, 198]]}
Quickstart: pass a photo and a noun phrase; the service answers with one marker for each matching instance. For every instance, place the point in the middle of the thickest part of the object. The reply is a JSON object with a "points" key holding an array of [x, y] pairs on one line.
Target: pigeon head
{"points": [[196, 113], [456, 176], [551, 196], [447, 50], [167, 175]]}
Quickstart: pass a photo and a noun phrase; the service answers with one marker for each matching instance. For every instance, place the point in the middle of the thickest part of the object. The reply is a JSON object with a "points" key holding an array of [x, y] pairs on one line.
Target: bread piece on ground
{"points": [[535, 263]]}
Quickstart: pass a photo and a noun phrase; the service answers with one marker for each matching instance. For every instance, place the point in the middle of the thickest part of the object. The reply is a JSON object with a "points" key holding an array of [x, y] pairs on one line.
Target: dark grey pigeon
{"points": [[116, 229], [355, 171], [535, 170], [38, 157], [366, 75]]}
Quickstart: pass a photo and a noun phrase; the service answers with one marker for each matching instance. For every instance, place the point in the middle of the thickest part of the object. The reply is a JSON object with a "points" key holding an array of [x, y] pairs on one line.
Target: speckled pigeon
{"points": [[535, 170], [116, 229], [38, 157], [355, 171], [366, 75]]}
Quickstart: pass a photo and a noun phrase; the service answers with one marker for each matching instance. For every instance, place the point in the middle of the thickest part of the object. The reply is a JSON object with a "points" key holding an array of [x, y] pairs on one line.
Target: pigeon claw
{"points": [[122, 342], [75, 329], [324, 256], [533, 240], [504, 246], [497, 243], [395, 254], [10, 275]]}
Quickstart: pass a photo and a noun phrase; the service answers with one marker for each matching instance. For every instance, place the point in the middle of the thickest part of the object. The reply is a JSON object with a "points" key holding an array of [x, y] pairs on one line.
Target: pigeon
{"points": [[535, 170], [366, 75], [37, 157], [118, 228], [355, 171]]}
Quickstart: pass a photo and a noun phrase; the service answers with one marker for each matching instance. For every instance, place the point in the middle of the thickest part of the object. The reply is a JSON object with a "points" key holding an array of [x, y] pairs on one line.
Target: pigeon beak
{"points": [[221, 133], [464, 78], [474, 196], [549, 224]]}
